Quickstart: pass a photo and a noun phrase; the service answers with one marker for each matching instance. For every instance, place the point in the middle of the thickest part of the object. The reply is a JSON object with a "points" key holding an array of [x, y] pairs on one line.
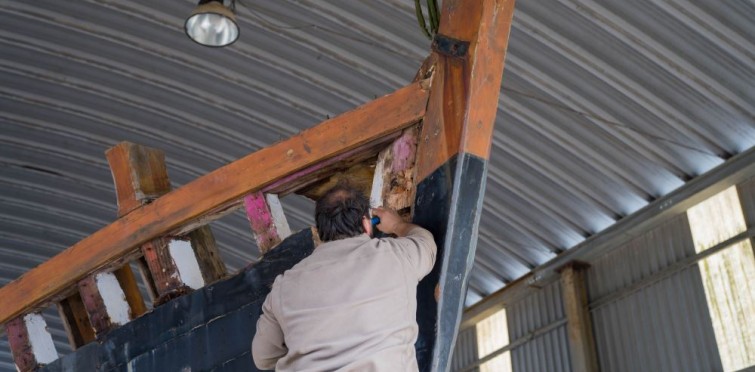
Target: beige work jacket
{"points": [[350, 306]]}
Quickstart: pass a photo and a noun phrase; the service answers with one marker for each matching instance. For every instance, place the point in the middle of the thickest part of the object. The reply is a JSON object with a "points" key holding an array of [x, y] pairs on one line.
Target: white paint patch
{"points": [[279, 218], [376, 194], [114, 298], [40, 339], [186, 262]]}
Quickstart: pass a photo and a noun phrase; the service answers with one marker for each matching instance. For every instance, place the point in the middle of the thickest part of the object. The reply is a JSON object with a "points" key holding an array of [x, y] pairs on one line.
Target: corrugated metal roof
{"points": [[604, 107]]}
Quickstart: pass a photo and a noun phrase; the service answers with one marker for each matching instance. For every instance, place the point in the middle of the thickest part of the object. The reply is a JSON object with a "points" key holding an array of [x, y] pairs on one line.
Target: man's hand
{"points": [[391, 222]]}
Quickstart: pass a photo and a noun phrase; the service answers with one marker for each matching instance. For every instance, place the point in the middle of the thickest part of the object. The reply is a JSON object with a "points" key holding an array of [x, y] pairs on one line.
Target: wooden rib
{"points": [[94, 305], [262, 222], [140, 176], [361, 126], [127, 280], [75, 321], [208, 258], [464, 99], [30, 342]]}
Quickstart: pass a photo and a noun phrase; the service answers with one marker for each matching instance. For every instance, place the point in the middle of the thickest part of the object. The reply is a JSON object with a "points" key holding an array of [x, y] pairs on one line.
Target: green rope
{"points": [[421, 19], [432, 9]]}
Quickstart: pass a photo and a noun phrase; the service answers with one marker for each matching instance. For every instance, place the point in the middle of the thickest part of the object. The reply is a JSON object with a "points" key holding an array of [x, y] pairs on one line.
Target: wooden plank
{"points": [[466, 86], [30, 342], [316, 173], [266, 219], [452, 158], [105, 302], [139, 174], [370, 122], [130, 288], [75, 321], [207, 255], [579, 323], [163, 271]]}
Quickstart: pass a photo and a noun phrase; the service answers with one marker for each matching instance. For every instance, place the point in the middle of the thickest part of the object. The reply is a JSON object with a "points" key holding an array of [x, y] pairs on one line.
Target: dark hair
{"points": [[338, 213]]}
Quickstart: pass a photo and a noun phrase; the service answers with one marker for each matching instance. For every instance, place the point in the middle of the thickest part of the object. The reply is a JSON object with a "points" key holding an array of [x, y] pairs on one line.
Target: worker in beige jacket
{"points": [[351, 305]]}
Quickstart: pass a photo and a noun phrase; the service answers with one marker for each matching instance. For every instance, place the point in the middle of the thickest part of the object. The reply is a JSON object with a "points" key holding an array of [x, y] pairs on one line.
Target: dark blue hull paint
{"points": [[210, 329], [448, 203]]}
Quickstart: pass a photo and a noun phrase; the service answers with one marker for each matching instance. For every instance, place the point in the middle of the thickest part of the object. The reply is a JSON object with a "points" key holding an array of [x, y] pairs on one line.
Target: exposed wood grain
{"points": [[370, 122], [304, 181], [18, 339], [30, 342], [75, 321], [261, 221], [208, 257], [398, 186], [139, 174], [127, 280], [579, 323], [95, 307], [358, 176], [464, 96], [164, 272]]}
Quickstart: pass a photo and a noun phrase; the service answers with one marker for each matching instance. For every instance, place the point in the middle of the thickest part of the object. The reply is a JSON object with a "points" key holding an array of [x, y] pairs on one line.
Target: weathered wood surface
{"points": [[394, 185], [163, 271], [94, 305], [139, 174], [127, 280], [30, 342], [207, 254], [464, 100], [75, 321], [368, 123], [582, 350], [453, 151], [266, 218]]}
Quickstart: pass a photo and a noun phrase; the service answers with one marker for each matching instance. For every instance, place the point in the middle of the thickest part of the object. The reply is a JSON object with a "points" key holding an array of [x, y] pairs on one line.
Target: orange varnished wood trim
{"points": [[464, 95]]}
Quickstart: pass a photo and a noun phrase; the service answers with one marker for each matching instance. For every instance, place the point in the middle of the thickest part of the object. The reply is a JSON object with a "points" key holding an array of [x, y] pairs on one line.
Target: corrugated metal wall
{"points": [[649, 312], [545, 352], [661, 326], [465, 352]]}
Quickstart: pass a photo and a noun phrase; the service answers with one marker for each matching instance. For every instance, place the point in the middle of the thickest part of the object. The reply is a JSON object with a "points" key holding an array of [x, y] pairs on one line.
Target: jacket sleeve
{"points": [[418, 248], [268, 344]]}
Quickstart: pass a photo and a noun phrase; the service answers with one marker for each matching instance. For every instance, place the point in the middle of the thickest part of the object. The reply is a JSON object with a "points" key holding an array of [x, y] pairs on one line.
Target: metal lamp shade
{"points": [[212, 24]]}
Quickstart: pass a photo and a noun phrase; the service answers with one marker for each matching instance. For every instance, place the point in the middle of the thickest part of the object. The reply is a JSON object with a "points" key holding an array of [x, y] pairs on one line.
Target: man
{"points": [[351, 305]]}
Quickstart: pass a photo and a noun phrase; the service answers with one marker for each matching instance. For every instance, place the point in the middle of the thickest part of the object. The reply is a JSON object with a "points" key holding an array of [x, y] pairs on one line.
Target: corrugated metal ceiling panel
{"points": [[605, 106]]}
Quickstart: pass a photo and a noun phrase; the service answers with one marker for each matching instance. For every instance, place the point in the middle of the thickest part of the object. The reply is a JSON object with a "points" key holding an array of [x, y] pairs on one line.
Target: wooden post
{"points": [[267, 220], [579, 326], [452, 157], [75, 321], [140, 176], [30, 342], [203, 244], [105, 302], [746, 192]]}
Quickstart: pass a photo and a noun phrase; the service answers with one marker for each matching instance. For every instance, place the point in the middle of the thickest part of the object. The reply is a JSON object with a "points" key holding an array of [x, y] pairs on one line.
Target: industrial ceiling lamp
{"points": [[212, 24]]}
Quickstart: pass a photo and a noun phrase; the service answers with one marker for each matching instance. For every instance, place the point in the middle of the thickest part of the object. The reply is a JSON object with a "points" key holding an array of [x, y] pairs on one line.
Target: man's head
{"points": [[343, 212]]}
